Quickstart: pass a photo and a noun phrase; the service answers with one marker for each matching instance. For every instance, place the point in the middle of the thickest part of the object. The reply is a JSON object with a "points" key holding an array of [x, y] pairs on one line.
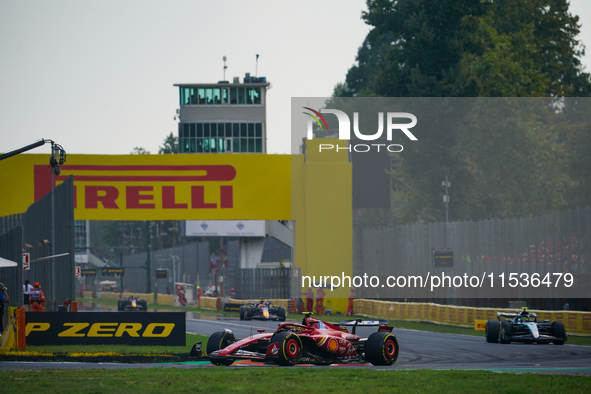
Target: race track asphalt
{"points": [[428, 350], [418, 350]]}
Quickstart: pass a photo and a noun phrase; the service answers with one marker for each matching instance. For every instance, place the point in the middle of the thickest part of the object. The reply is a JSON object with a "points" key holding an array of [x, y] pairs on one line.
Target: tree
{"points": [[558, 52], [506, 66], [518, 167], [474, 48], [423, 48], [171, 145], [414, 48], [139, 150]]}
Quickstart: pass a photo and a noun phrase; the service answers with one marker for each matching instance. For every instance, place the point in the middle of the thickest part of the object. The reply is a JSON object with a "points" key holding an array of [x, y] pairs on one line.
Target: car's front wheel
{"points": [[289, 348], [491, 331], [506, 332], [218, 341], [248, 313], [281, 313], [381, 348], [559, 332]]}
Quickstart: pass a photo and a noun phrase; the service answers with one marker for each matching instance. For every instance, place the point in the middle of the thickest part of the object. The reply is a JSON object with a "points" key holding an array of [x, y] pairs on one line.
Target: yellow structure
{"points": [[156, 187], [322, 210], [314, 190]]}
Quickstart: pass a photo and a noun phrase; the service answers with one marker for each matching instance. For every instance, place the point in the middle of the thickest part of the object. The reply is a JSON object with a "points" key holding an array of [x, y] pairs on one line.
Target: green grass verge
{"points": [[290, 380], [106, 353]]}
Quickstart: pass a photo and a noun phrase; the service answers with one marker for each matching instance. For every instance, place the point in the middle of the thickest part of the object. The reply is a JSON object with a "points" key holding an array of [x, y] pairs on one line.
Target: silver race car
{"points": [[524, 327]]}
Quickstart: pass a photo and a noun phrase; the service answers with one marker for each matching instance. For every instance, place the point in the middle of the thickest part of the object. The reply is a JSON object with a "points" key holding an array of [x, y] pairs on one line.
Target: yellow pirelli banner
{"points": [[156, 187]]}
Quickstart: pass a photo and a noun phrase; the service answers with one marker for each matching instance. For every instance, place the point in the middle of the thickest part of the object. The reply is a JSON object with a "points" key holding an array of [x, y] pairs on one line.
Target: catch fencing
{"points": [[45, 229], [552, 243]]}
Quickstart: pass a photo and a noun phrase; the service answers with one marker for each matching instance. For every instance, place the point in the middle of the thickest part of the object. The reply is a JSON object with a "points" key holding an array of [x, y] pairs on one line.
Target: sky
{"points": [[97, 76]]}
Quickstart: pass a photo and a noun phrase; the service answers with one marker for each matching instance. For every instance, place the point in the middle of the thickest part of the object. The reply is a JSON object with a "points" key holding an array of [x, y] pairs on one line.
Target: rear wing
{"points": [[500, 315], [382, 324], [360, 322]]}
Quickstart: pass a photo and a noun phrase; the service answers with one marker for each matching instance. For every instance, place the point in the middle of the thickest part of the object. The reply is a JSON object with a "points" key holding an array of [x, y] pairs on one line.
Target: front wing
{"points": [[523, 333], [258, 315]]}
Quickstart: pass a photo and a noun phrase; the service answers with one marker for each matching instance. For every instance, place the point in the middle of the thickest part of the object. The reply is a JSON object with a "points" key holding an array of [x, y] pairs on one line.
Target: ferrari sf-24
{"points": [[311, 342]]}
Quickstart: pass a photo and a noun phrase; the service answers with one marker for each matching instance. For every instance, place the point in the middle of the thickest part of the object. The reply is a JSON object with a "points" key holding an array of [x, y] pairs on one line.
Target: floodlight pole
{"points": [[53, 237], [58, 156]]}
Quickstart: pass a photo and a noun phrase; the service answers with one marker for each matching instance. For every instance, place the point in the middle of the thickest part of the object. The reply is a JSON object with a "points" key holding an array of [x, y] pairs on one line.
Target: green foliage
{"points": [[557, 53], [505, 68], [475, 48], [171, 145], [518, 168], [139, 150]]}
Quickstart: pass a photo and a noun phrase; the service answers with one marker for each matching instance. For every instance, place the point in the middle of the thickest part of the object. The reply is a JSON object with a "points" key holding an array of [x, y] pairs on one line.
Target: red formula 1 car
{"points": [[312, 342]]}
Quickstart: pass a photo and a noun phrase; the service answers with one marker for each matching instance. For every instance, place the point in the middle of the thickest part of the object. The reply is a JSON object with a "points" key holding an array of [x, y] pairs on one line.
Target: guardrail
{"points": [[574, 322]]}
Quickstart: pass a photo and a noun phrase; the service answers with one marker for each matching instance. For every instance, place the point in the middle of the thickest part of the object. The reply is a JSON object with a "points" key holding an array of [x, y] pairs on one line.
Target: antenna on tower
{"points": [[257, 67], [225, 67]]}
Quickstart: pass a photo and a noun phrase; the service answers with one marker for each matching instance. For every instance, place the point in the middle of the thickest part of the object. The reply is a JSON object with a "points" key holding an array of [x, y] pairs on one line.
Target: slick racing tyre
{"points": [[491, 331], [217, 341], [281, 313], [248, 313], [242, 311], [506, 332], [558, 331], [290, 348], [120, 305], [381, 348]]}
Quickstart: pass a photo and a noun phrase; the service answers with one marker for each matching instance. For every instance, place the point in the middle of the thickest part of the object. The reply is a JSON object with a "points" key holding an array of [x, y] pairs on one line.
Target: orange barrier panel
{"points": [[21, 338]]}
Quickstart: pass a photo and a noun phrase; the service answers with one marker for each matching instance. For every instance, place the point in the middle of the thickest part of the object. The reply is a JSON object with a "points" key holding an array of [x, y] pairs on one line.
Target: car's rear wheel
{"points": [[281, 313], [218, 341], [248, 313], [506, 332], [558, 331], [290, 348], [491, 331], [381, 348]]}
